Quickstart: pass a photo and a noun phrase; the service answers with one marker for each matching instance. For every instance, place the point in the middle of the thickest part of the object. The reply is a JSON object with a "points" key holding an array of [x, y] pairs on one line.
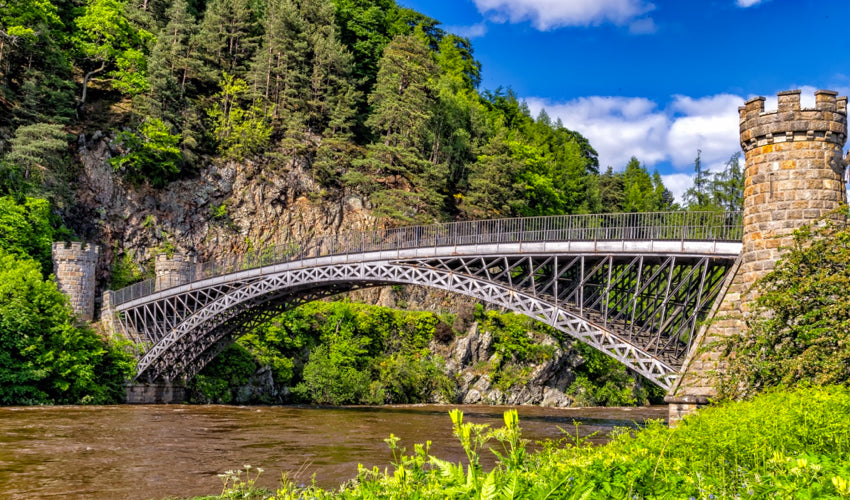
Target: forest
{"points": [[378, 99]]}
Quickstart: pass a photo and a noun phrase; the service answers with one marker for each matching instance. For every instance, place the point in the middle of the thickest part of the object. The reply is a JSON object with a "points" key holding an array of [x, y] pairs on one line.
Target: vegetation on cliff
{"points": [[782, 444], [336, 353]]}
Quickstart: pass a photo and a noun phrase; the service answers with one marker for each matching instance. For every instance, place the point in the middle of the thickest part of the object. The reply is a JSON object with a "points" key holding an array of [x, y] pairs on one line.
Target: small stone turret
{"points": [[794, 176], [74, 265], [173, 271]]}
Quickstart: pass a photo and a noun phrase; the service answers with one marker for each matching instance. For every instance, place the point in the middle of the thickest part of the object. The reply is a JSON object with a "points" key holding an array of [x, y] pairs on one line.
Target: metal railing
{"points": [[667, 226]]}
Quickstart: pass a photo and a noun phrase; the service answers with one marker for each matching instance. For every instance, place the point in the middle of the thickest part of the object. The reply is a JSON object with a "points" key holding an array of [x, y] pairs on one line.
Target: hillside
{"points": [[215, 128]]}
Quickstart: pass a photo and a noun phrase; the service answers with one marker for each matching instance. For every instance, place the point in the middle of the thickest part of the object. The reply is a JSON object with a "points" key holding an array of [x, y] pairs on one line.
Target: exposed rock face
{"points": [[469, 358], [227, 209]]}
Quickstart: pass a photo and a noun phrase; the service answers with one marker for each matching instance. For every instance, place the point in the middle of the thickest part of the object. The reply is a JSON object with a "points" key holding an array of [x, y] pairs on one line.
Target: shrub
{"points": [[799, 329], [46, 357], [153, 153]]}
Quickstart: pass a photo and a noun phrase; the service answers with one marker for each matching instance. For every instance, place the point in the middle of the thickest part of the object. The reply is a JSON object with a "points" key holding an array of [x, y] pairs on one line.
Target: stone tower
{"points": [[794, 175], [173, 271], [74, 265]]}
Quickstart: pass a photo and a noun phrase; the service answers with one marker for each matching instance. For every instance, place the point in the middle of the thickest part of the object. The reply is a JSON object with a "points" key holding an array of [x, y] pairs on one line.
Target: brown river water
{"points": [[155, 452]]}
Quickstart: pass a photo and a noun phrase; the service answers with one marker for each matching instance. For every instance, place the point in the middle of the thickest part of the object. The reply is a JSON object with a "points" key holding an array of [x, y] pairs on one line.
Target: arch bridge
{"points": [[633, 286]]}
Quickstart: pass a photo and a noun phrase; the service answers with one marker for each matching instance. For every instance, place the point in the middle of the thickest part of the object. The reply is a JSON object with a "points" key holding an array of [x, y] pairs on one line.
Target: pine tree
{"points": [[452, 131], [35, 71], [492, 193], [697, 197], [727, 187], [402, 101], [333, 96], [38, 153], [611, 191], [281, 68], [177, 45], [228, 37]]}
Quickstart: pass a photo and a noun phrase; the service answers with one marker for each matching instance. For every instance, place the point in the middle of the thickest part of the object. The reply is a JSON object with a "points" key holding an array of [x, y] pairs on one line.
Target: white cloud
{"points": [[549, 14], [709, 124], [472, 31], [622, 127], [678, 184], [747, 3], [617, 127]]}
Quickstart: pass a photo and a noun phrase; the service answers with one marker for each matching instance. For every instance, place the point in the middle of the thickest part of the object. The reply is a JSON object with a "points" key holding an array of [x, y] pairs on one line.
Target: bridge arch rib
{"points": [[639, 308]]}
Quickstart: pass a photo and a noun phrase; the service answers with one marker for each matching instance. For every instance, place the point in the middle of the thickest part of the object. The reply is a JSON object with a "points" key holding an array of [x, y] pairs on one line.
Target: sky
{"points": [[658, 80]]}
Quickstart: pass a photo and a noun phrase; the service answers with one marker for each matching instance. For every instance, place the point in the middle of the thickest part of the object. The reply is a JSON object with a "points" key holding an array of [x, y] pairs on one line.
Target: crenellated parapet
{"points": [[826, 122], [74, 265], [794, 172], [173, 270]]}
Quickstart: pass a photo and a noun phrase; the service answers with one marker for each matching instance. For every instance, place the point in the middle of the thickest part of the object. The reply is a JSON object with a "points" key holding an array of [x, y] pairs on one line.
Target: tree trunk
{"points": [[86, 79]]}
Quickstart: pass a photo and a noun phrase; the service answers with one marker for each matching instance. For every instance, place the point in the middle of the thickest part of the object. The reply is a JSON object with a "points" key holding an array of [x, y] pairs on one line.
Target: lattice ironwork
{"points": [[641, 310], [653, 226]]}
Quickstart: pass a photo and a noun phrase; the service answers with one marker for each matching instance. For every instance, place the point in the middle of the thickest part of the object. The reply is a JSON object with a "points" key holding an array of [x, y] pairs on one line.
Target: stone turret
{"points": [[74, 265], [173, 271], [794, 176]]}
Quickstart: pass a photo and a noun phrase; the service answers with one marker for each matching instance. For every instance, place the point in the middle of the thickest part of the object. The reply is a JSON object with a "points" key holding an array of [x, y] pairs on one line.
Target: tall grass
{"points": [[782, 444]]}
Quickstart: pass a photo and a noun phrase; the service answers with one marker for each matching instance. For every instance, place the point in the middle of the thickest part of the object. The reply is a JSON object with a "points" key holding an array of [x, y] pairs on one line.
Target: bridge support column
{"points": [[155, 394], [794, 176]]}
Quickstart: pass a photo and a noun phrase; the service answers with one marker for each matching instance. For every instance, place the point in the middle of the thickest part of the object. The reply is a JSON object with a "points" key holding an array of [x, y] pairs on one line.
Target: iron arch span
{"points": [[639, 307]]}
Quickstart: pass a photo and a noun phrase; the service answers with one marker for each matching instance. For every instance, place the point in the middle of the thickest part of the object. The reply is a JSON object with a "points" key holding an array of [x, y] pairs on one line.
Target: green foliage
{"points": [[600, 380], [512, 338], [38, 153], [781, 445], [723, 190], [228, 35], [241, 126], [125, 271], [107, 40], [799, 328], [45, 356], [604, 381], [229, 370], [343, 353], [26, 231], [330, 378], [35, 73], [152, 154]]}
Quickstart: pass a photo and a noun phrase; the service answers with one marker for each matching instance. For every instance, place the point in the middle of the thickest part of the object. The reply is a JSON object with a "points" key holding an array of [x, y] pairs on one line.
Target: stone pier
{"points": [[174, 270], [794, 176]]}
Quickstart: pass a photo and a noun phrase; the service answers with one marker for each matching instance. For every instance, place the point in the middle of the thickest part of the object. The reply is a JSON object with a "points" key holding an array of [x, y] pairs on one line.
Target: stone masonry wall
{"points": [[74, 265], [794, 175]]}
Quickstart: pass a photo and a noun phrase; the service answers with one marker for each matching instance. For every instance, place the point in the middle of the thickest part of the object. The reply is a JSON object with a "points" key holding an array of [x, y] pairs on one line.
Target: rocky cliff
{"points": [[232, 208]]}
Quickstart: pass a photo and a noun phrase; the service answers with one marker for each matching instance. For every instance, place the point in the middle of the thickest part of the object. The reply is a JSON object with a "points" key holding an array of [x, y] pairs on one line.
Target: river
{"points": [[154, 452]]}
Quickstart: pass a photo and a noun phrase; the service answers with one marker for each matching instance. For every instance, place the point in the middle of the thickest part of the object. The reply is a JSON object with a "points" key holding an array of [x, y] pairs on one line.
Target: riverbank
{"points": [[782, 444]]}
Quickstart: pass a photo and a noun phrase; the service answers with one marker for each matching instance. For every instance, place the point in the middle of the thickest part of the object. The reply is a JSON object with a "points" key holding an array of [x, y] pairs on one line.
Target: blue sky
{"points": [[656, 80]]}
